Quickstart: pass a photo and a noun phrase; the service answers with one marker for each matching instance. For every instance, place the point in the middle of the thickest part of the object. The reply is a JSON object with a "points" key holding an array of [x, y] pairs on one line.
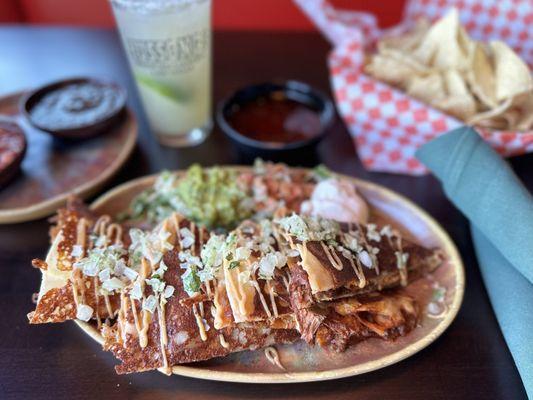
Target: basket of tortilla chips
{"points": [[449, 63]]}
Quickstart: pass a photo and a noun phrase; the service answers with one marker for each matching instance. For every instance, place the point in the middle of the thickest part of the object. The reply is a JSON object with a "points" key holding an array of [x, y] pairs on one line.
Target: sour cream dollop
{"points": [[336, 199]]}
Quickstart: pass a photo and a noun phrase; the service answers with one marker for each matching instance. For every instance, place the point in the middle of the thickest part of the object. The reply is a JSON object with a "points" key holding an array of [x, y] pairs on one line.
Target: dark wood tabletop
{"points": [[469, 361]]}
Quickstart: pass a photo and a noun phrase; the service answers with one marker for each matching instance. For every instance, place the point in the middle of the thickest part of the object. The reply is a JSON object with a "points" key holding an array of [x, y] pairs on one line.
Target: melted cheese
{"points": [[241, 295], [319, 277], [219, 315]]}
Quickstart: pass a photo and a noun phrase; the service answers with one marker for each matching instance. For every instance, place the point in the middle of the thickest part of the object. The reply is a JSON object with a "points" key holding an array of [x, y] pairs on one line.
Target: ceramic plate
{"points": [[304, 363], [52, 170]]}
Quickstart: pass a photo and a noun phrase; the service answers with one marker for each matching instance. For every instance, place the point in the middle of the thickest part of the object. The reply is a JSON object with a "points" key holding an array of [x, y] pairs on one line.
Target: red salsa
{"points": [[275, 119]]}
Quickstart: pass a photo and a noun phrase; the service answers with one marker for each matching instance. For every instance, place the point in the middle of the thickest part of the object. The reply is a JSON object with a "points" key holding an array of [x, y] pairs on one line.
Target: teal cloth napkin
{"points": [[500, 209]]}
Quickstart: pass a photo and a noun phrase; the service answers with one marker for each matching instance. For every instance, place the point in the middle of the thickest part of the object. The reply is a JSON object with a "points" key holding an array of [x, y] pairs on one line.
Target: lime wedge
{"points": [[171, 92]]}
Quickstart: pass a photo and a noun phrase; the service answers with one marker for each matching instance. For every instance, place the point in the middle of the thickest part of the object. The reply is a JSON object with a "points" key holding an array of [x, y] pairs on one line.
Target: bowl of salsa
{"points": [[268, 119], [76, 108]]}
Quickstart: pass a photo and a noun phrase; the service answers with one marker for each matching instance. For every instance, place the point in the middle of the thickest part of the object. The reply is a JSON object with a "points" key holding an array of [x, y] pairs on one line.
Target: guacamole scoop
{"points": [[212, 197]]}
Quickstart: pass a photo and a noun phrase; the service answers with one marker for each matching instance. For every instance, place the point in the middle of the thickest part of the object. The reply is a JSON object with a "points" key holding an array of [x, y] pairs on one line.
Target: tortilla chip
{"points": [[481, 76], [494, 114], [512, 74], [56, 302], [390, 70], [459, 102], [525, 119], [429, 89], [185, 341], [446, 44]]}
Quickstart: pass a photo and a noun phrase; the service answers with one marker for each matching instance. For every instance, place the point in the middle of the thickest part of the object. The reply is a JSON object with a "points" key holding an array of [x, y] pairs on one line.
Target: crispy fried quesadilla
{"points": [[174, 292], [177, 332], [197, 306], [341, 260], [71, 287], [335, 325], [338, 261]]}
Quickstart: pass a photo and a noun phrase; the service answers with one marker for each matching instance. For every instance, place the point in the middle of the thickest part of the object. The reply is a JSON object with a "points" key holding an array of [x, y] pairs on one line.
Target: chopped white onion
{"points": [[169, 291], [136, 292], [157, 284], [104, 275], [84, 312], [130, 273], [113, 284], [242, 253], [293, 253], [365, 259], [150, 303], [267, 265], [77, 251]]}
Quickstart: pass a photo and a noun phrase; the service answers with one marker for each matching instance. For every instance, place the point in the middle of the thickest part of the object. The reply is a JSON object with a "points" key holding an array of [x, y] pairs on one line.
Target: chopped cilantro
{"points": [[191, 281], [234, 264], [321, 172]]}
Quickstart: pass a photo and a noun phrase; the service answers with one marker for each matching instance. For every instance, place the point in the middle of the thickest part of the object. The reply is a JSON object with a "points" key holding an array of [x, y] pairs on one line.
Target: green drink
{"points": [[168, 43]]}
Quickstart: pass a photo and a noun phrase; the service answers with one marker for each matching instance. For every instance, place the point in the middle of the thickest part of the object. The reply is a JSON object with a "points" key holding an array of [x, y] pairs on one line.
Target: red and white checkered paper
{"points": [[387, 125]]}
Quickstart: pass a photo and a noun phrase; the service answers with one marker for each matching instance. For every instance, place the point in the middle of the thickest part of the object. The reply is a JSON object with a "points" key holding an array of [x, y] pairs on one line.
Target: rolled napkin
{"points": [[500, 209]]}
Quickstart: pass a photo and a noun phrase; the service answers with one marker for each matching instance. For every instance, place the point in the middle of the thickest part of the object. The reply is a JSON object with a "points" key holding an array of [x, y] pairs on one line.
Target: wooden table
{"points": [[470, 361]]}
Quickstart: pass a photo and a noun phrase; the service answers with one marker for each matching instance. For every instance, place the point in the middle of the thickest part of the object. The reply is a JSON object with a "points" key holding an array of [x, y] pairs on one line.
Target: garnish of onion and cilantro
{"points": [[213, 197]]}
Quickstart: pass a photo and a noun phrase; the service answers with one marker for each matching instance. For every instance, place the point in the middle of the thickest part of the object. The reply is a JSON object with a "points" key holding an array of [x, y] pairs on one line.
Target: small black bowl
{"points": [[292, 90], [87, 130]]}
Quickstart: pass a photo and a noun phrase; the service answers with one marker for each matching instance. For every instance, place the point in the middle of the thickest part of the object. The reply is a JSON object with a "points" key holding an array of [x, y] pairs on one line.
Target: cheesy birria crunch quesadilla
{"points": [[188, 286]]}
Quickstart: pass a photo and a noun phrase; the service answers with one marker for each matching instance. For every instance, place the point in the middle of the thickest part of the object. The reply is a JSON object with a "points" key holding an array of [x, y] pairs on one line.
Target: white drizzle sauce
{"points": [[199, 323], [163, 337], [261, 297], [286, 280], [146, 269], [201, 308], [102, 227], [97, 300], [272, 356], [336, 257], [358, 269], [273, 295], [332, 260], [223, 341]]}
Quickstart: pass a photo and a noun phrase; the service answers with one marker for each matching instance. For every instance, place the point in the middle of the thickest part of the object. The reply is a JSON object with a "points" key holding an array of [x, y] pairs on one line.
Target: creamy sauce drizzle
{"points": [[113, 234], [273, 295], [223, 341], [272, 356], [261, 297], [199, 323], [163, 337]]}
